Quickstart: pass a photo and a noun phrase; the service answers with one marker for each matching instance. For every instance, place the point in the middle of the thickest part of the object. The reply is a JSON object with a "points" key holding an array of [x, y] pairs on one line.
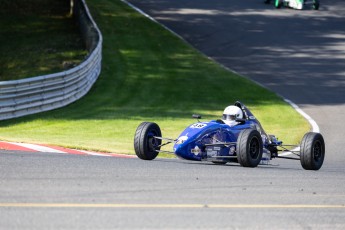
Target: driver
{"points": [[230, 114]]}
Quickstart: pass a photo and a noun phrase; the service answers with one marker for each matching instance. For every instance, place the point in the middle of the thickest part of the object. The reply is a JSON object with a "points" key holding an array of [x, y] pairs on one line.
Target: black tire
{"points": [[267, 1], [316, 5], [312, 151], [278, 4], [145, 145], [249, 148]]}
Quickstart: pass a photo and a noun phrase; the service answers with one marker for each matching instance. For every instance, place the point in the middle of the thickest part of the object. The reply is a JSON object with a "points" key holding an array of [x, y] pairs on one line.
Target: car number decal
{"points": [[198, 126]]}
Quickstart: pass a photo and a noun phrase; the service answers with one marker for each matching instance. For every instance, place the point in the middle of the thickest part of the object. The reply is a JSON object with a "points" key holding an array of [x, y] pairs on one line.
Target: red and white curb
{"points": [[12, 146]]}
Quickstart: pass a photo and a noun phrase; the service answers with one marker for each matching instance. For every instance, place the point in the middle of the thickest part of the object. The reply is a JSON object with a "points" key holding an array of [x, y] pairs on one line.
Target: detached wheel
{"points": [[146, 146], [312, 151], [249, 148]]}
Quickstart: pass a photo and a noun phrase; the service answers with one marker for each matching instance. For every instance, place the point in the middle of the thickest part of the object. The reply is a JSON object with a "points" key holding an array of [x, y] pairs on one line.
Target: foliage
{"points": [[37, 37]]}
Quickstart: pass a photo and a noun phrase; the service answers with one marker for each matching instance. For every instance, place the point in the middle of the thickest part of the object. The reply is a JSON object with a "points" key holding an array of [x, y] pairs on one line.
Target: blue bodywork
{"points": [[205, 140]]}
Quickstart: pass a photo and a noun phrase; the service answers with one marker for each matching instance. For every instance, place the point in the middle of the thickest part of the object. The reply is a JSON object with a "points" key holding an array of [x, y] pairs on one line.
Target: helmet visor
{"points": [[229, 117]]}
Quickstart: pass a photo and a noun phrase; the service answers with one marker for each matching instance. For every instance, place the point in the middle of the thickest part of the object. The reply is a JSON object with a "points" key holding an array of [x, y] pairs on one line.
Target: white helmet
{"points": [[231, 113]]}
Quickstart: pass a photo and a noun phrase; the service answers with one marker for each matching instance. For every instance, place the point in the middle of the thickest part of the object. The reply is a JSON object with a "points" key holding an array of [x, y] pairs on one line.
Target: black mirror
{"points": [[196, 116]]}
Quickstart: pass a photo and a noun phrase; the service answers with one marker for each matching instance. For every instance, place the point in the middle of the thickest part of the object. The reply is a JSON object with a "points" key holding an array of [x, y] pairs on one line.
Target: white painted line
{"points": [[173, 206], [315, 127], [52, 149], [151, 18], [95, 154], [38, 147]]}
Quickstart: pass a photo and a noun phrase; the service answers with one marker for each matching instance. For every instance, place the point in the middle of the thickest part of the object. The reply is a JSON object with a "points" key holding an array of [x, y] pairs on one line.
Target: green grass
{"points": [[37, 37], [148, 74]]}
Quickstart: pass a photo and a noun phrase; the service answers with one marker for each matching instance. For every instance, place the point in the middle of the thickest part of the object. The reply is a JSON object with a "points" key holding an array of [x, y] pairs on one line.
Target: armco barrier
{"points": [[33, 95]]}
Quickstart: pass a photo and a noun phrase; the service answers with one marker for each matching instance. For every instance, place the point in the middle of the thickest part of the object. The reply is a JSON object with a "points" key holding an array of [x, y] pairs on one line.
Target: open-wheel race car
{"points": [[295, 4], [238, 137]]}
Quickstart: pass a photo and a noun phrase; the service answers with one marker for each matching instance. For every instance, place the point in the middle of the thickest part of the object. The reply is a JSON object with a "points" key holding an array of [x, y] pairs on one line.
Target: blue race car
{"points": [[238, 137]]}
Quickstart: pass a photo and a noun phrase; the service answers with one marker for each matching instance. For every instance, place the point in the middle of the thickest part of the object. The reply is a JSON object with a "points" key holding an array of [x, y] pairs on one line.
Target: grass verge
{"points": [[148, 74]]}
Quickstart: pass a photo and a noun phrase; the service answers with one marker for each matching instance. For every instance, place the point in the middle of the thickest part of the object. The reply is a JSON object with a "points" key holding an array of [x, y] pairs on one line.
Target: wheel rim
{"points": [[153, 143], [254, 148], [317, 151]]}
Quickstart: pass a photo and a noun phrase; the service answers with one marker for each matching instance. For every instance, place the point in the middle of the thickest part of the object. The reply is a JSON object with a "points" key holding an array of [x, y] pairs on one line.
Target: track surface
{"points": [[299, 54], [55, 191]]}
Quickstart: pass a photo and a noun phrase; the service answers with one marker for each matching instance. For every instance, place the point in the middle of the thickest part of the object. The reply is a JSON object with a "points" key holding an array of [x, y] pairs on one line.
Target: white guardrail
{"points": [[37, 94]]}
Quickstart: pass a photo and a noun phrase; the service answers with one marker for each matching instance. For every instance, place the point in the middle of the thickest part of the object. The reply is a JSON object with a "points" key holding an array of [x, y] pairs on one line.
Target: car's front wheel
{"points": [[312, 151], [146, 145], [249, 148]]}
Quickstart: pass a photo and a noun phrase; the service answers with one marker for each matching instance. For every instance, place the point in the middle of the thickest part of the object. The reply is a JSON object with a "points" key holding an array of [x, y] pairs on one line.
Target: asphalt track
{"points": [[299, 54]]}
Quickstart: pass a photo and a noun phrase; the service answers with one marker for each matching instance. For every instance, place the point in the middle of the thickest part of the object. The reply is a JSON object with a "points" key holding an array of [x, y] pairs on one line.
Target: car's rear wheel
{"points": [[146, 145], [316, 4], [278, 4], [312, 151], [249, 148]]}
